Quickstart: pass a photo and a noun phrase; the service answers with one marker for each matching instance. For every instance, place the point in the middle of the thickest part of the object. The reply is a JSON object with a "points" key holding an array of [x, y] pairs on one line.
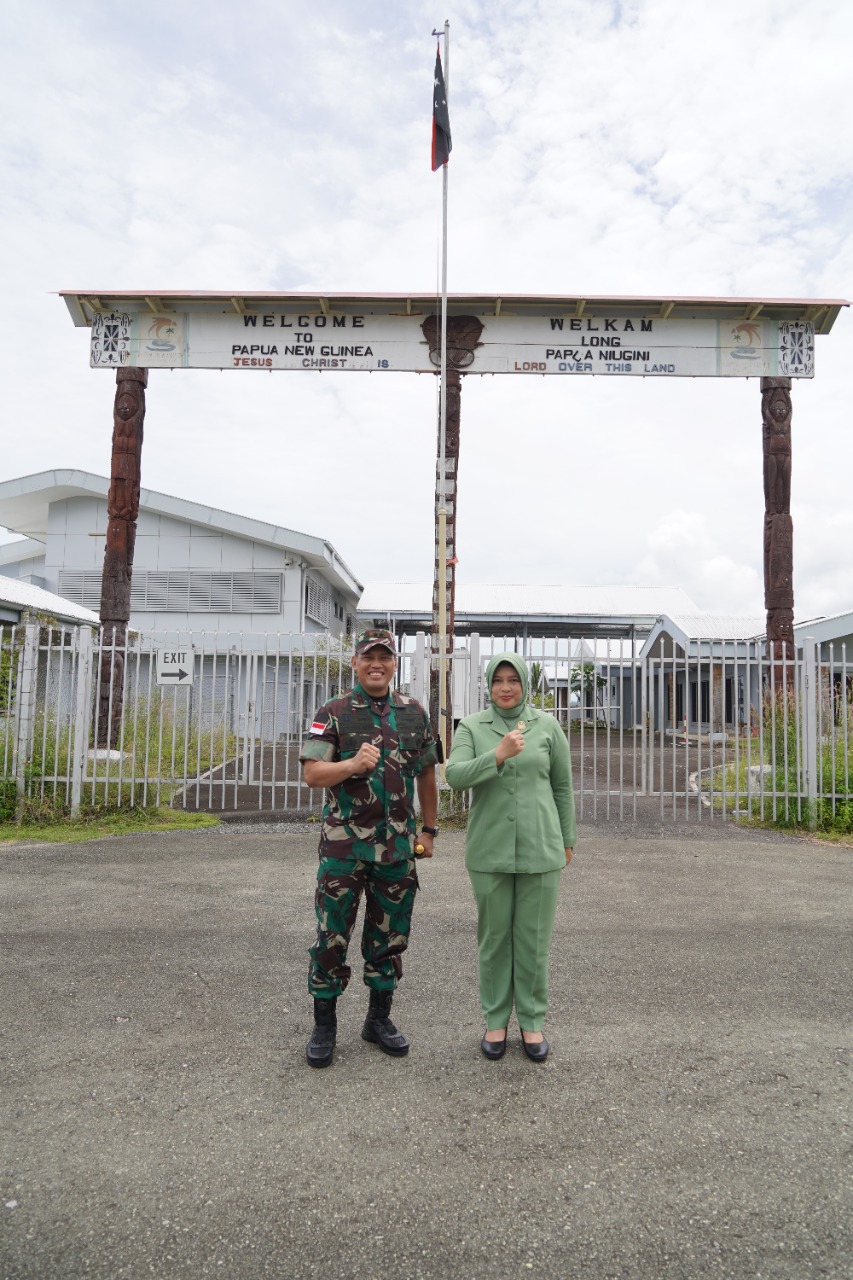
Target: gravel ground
{"points": [[157, 1116]]}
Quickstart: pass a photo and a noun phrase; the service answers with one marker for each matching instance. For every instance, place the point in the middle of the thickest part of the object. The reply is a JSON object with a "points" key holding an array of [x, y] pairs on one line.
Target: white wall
{"points": [[76, 537]]}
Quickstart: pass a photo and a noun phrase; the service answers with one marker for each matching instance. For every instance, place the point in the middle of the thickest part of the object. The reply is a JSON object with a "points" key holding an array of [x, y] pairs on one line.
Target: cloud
{"points": [[682, 550], [642, 147]]}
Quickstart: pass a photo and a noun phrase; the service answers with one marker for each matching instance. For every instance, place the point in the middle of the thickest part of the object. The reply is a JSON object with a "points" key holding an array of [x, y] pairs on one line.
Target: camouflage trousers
{"points": [[389, 892]]}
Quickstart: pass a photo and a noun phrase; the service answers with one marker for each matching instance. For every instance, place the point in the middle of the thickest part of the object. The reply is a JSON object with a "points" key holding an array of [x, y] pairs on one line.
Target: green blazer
{"points": [[522, 812]]}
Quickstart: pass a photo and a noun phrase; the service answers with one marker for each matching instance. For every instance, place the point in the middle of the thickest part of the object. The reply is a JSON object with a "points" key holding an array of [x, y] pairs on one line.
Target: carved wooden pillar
{"points": [[122, 513], [776, 416]]}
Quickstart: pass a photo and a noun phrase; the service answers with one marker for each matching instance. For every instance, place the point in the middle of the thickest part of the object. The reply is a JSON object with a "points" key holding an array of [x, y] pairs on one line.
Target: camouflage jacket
{"points": [[371, 816]]}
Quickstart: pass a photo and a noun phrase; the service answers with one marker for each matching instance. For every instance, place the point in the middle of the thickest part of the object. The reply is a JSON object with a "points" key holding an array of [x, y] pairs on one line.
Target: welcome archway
{"points": [[568, 336]]}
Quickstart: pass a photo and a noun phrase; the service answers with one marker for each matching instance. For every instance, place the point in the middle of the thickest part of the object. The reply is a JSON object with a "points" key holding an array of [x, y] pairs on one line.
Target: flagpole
{"points": [[442, 508]]}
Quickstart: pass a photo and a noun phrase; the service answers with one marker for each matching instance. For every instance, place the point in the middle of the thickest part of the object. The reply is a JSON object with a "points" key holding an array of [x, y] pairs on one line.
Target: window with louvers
{"points": [[318, 601], [81, 587], [182, 591]]}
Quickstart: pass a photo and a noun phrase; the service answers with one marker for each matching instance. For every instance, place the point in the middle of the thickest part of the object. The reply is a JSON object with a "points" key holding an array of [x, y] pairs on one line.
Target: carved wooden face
{"points": [[126, 406], [463, 336]]}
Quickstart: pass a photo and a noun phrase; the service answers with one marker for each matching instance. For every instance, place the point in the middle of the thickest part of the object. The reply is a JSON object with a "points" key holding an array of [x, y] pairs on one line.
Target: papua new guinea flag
{"points": [[441, 145]]}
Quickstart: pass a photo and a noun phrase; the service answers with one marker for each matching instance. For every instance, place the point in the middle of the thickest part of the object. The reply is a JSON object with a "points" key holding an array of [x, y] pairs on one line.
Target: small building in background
{"points": [[24, 601], [702, 671], [583, 641]]}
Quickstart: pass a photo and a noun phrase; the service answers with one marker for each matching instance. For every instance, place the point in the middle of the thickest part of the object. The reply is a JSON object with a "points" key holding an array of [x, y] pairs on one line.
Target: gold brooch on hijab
{"points": [[521, 725]]}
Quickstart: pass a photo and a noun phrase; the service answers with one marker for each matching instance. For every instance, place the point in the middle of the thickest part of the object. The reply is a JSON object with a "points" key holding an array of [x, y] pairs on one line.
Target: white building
{"points": [[705, 668], [195, 568], [834, 635]]}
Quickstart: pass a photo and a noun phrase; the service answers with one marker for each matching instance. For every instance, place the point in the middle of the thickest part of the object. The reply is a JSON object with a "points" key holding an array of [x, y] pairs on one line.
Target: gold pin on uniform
{"points": [[521, 725]]}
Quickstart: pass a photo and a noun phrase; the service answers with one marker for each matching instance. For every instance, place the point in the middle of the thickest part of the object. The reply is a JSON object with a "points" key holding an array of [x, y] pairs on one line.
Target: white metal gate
{"points": [[714, 730]]}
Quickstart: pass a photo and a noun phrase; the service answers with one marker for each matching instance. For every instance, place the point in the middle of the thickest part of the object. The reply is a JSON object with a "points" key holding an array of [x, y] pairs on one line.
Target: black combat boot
{"points": [[321, 1046], [378, 1027]]}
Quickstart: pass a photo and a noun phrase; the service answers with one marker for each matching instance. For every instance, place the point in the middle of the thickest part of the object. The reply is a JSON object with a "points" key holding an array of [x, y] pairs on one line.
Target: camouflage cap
{"points": [[375, 635]]}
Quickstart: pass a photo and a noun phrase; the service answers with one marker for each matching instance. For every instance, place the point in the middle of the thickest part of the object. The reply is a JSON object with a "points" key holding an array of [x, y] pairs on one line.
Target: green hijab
{"points": [[510, 715]]}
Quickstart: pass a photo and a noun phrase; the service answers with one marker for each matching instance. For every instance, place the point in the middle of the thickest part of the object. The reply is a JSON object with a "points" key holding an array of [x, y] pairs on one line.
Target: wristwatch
{"points": [[430, 831]]}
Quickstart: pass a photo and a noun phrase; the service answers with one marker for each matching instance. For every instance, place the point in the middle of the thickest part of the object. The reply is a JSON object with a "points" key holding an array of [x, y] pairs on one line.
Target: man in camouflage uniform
{"points": [[369, 749]]}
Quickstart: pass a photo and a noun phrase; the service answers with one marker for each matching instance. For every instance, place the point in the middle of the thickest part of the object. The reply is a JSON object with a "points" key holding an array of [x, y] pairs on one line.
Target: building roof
{"points": [[17, 597], [836, 627], [546, 609], [719, 626], [84, 304], [20, 549], [25, 503], [695, 628]]}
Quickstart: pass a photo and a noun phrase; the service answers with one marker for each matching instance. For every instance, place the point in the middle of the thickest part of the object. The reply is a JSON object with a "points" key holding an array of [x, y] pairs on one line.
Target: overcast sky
{"points": [[646, 147]]}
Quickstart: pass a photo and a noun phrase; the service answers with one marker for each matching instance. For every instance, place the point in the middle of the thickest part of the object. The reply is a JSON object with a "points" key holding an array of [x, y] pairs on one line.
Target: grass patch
{"points": [[96, 822], [455, 821], [842, 839], [773, 793], [163, 755], [452, 810]]}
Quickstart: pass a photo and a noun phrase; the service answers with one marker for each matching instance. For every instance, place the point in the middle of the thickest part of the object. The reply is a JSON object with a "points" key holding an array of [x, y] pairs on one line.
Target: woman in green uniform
{"points": [[521, 833]]}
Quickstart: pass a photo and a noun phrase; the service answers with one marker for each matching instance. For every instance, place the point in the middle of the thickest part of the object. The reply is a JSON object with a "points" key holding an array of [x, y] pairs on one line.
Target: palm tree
{"points": [[585, 678], [538, 685]]}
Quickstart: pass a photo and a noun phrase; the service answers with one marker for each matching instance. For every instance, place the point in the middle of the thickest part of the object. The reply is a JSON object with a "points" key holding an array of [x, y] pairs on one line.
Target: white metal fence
{"points": [[715, 730]]}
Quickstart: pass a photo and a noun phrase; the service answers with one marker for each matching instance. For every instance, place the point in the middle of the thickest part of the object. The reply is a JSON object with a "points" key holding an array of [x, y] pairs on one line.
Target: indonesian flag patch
{"points": [[317, 727]]}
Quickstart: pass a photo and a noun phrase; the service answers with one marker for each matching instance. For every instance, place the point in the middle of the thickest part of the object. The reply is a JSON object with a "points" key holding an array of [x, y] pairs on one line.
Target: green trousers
{"points": [[389, 890], [515, 920]]}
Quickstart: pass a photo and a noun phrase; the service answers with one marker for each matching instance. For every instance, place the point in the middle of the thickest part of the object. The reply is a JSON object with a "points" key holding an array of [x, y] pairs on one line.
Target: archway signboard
{"points": [[772, 339], [639, 337]]}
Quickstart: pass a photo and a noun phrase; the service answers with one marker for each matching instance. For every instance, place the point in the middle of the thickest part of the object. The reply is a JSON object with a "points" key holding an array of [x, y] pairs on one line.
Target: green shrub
{"points": [[8, 799]]}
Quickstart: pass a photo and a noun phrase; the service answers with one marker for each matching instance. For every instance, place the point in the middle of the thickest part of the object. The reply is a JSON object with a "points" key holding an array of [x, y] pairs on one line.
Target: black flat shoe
{"points": [[493, 1049], [536, 1052]]}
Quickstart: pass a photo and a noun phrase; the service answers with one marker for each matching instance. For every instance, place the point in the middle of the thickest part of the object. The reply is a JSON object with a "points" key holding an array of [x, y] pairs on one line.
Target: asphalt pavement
{"points": [[159, 1119]]}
